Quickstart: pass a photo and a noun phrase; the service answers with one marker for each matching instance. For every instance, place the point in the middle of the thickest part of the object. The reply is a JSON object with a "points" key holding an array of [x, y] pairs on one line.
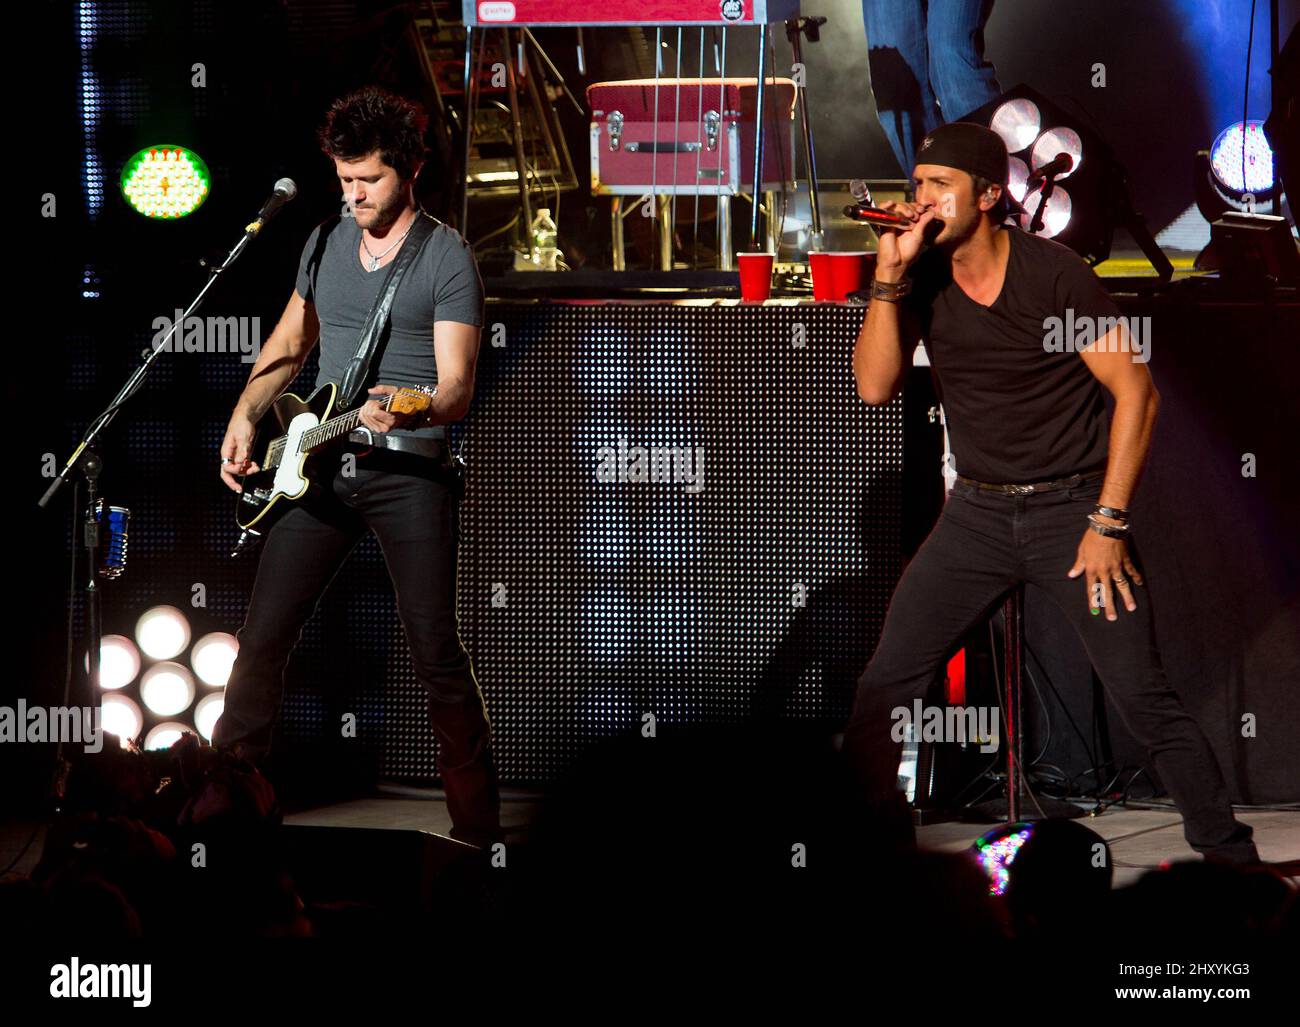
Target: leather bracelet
{"points": [[1108, 530], [1111, 511], [891, 292]]}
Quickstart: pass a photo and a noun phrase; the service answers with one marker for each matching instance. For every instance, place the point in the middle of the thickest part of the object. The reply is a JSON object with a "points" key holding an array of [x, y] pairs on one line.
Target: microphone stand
{"points": [[1036, 222], [90, 466]]}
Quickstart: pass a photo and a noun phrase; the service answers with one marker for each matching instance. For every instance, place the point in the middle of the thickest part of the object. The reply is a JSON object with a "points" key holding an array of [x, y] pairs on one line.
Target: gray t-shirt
{"points": [[442, 285]]}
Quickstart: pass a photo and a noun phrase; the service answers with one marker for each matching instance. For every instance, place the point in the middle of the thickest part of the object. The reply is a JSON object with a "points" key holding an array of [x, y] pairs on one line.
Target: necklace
{"points": [[374, 260]]}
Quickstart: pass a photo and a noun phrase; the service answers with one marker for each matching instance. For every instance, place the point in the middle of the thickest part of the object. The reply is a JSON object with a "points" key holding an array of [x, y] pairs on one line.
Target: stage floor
{"points": [[1140, 839]]}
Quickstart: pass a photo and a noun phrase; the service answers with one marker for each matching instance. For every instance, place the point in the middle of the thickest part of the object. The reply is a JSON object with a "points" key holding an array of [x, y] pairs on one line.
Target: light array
{"points": [[166, 181], [168, 687]]}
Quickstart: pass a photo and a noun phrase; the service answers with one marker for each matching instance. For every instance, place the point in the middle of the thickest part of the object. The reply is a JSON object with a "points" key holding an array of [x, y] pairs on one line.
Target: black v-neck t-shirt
{"points": [[1016, 411]]}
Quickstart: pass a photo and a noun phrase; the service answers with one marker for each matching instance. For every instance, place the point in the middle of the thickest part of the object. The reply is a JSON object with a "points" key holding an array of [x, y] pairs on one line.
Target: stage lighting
{"points": [[119, 661], [212, 657], [162, 632], [1018, 179], [1249, 244], [1223, 184], [1056, 212], [1238, 172], [121, 717], [1085, 201], [207, 712], [167, 689], [1031, 864], [165, 181], [166, 734], [1018, 122], [997, 850]]}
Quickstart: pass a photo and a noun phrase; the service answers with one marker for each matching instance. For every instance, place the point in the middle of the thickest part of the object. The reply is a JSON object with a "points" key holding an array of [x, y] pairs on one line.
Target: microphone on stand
{"points": [[285, 190], [1052, 169]]}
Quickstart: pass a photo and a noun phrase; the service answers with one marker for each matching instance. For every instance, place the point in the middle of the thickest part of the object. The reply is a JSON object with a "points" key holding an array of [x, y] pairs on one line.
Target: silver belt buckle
{"points": [[1022, 490]]}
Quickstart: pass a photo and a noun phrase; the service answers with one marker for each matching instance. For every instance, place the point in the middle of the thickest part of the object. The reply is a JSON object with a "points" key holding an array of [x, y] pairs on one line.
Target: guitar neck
{"points": [[323, 434], [328, 431]]}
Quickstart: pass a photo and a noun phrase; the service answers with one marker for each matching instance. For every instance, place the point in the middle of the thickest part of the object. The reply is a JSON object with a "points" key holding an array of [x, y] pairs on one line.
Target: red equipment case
{"points": [[705, 139]]}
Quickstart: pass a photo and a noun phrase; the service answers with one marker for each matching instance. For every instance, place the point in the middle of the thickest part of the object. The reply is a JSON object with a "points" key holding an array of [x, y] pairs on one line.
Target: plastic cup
{"points": [[756, 276], [835, 275], [823, 286], [849, 272]]}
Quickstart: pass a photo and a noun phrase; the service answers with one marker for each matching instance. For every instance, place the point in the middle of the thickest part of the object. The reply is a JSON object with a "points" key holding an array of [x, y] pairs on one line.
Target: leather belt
{"points": [[432, 447], [1073, 481]]}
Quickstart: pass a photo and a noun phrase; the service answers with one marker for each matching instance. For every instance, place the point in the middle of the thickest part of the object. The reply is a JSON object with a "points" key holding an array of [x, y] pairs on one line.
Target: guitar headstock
{"points": [[413, 400]]}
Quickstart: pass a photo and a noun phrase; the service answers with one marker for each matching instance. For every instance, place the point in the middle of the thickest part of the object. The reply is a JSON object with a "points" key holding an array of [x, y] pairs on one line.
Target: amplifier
{"points": [[702, 142]]}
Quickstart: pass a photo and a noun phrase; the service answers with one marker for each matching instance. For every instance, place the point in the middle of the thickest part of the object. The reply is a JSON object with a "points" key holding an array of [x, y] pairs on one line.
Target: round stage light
{"points": [[1056, 215], [166, 734], [1018, 178], [119, 661], [121, 717], [212, 657], [167, 689], [1018, 122], [207, 712], [1226, 159], [165, 182], [1054, 142], [162, 632]]}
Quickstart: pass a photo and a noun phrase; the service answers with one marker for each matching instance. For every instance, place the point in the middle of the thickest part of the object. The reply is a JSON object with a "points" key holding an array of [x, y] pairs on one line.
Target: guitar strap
{"points": [[372, 332]]}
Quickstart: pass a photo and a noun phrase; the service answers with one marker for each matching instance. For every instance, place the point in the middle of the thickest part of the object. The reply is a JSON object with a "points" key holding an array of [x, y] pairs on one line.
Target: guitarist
{"points": [[401, 484]]}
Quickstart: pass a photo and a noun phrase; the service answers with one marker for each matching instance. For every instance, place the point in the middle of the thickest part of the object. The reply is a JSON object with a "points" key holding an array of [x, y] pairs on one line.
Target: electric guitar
{"points": [[293, 465]]}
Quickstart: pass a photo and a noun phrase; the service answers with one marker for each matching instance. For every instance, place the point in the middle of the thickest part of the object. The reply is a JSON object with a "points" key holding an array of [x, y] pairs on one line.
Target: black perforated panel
{"points": [[589, 603]]}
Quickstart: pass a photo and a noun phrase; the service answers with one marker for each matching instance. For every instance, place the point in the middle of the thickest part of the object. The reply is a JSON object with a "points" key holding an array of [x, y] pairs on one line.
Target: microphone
{"points": [[1060, 166], [876, 217], [285, 190]]}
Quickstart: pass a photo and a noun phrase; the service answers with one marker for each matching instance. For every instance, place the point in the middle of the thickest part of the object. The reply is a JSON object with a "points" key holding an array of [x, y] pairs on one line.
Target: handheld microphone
{"points": [[285, 190], [1060, 166], [876, 217]]}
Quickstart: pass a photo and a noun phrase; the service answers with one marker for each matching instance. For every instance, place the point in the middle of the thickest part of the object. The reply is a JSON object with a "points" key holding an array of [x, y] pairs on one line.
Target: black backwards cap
{"points": [[971, 148]]}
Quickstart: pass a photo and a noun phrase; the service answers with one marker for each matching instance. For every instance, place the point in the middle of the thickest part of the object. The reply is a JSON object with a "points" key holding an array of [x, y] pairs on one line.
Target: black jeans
{"points": [[412, 505], [984, 544]]}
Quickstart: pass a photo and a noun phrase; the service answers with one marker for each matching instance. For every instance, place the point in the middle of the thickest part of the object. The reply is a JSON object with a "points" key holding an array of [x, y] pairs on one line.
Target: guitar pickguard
{"points": [[289, 479]]}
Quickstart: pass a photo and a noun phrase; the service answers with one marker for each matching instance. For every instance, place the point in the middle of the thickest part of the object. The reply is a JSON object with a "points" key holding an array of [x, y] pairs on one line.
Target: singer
{"points": [[1043, 484], [402, 484]]}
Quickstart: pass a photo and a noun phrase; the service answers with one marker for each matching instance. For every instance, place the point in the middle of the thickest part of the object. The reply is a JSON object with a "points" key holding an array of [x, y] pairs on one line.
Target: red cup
{"points": [[756, 276], [835, 275], [823, 286], [849, 272]]}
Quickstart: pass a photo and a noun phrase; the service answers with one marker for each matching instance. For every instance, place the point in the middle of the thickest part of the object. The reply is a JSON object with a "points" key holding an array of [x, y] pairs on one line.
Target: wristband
{"points": [[1111, 511], [891, 292], [1108, 530]]}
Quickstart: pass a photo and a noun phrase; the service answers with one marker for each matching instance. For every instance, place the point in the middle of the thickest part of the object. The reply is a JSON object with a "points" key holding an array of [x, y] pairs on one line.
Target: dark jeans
{"points": [[984, 544], [412, 505]]}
